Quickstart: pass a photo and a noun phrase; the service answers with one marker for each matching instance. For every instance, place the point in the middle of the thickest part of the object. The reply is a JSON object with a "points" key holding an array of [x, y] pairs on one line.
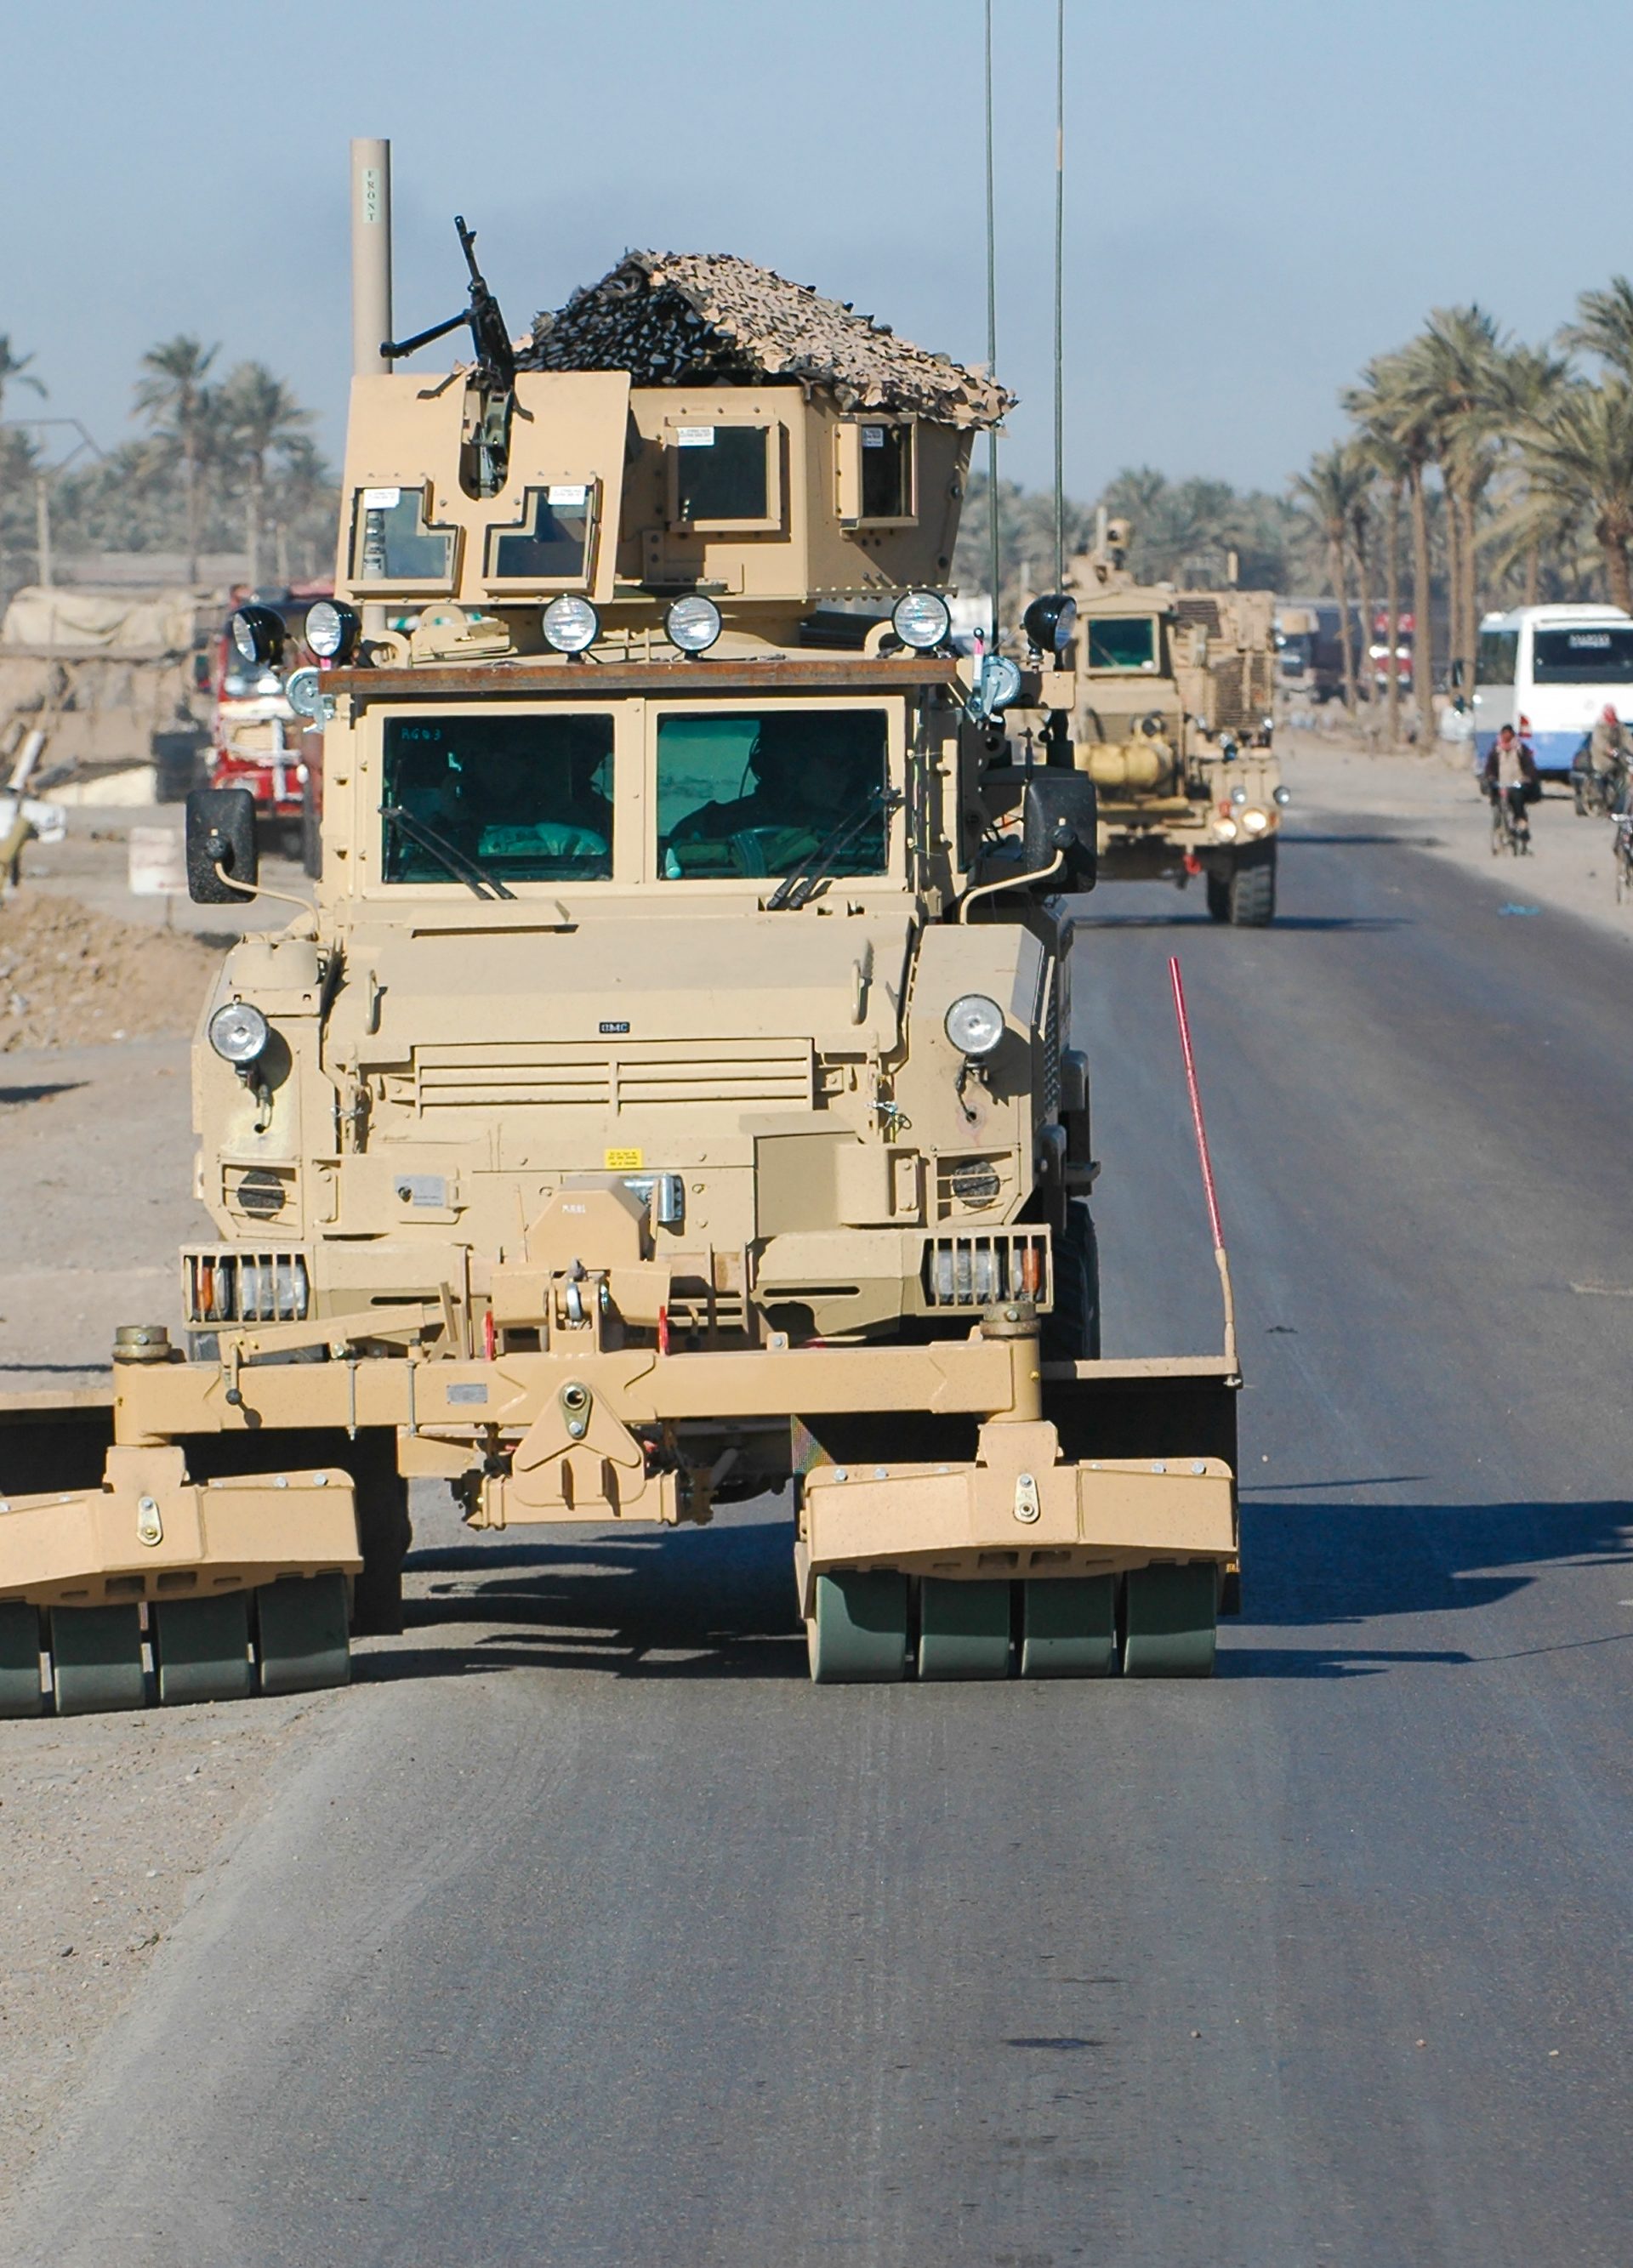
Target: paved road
{"points": [[595, 1938]]}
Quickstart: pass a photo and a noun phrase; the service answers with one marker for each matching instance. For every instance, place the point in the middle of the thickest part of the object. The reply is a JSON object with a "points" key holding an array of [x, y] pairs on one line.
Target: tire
{"points": [[1253, 887], [1072, 1328]]}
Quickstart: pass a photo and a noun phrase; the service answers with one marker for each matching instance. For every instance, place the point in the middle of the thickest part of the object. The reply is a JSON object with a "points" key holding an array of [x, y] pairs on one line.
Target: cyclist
{"points": [[1510, 776]]}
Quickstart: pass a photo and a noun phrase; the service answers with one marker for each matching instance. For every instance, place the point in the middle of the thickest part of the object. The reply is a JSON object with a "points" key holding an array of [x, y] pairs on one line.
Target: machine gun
{"points": [[496, 360]]}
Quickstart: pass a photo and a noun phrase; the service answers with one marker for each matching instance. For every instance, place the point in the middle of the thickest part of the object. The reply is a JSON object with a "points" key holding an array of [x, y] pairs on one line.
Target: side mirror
{"points": [[220, 832], [1060, 812]]}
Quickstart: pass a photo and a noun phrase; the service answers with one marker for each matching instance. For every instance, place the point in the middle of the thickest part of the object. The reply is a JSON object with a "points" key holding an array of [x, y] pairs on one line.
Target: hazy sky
{"points": [[1259, 195]]}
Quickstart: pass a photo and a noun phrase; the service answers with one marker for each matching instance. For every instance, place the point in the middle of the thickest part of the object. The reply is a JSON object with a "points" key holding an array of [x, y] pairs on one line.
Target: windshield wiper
{"points": [[796, 887], [447, 855]]}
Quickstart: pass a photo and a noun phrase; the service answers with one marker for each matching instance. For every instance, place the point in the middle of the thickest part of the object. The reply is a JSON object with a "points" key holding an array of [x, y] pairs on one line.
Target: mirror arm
{"points": [[259, 890], [1010, 882]]}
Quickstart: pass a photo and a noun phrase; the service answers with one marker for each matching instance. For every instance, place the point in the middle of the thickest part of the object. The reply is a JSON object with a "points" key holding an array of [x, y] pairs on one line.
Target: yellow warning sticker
{"points": [[624, 1161]]}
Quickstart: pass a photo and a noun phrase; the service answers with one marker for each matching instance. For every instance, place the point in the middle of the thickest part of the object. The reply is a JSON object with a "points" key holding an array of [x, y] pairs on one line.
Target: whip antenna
{"points": [[995, 554], [1059, 264]]}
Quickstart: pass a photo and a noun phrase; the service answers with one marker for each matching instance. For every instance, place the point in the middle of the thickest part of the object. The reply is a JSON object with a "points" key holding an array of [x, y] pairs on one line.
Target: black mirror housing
{"points": [[1060, 812], [220, 832]]}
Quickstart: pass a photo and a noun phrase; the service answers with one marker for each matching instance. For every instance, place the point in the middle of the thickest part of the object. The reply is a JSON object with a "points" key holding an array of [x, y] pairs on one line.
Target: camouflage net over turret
{"points": [[699, 319]]}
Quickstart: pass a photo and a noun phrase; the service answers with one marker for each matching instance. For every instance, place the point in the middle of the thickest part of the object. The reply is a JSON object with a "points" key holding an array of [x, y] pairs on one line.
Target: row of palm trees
{"points": [[1511, 464], [214, 447]]}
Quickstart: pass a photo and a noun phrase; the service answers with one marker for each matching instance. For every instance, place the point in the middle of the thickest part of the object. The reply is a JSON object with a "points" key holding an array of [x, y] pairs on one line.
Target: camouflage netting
{"points": [[690, 319]]}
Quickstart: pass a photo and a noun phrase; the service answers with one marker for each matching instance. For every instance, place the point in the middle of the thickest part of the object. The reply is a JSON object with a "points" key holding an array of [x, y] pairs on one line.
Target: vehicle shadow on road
{"points": [[667, 1602], [1347, 1566], [1185, 919]]}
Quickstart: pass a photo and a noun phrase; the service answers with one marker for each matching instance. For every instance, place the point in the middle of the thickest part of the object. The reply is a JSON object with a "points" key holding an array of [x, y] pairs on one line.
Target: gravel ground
{"points": [[107, 1823]]}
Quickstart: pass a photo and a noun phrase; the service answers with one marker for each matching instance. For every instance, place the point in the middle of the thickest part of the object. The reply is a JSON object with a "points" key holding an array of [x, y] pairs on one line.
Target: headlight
{"points": [[1225, 829], [975, 1024], [570, 624], [257, 633], [332, 630], [1050, 622], [922, 620], [1255, 821], [238, 1033], [693, 623], [1282, 796]]}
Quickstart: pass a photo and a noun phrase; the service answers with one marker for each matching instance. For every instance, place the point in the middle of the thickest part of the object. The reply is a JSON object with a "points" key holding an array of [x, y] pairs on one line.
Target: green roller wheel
{"points": [[96, 1659], [21, 1691], [201, 1648], [301, 1634], [858, 1635], [1069, 1626], [1170, 1621], [964, 1628]]}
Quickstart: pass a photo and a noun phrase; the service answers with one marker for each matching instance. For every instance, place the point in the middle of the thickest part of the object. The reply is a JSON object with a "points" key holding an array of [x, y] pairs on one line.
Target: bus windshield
{"points": [[1595, 654]]}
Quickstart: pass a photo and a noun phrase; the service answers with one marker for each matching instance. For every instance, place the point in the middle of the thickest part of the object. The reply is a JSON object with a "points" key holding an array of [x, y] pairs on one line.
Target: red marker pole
{"points": [[1221, 1258]]}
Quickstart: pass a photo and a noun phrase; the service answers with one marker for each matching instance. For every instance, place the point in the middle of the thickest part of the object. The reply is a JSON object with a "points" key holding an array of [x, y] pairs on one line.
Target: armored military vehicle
{"points": [[670, 1096], [1173, 721]]}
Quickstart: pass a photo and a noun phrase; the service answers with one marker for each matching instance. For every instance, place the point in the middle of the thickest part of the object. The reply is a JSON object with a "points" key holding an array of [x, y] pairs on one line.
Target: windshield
{"points": [[752, 793], [1586, 656], [1122, 644], [1494, 662], [525, 799]]}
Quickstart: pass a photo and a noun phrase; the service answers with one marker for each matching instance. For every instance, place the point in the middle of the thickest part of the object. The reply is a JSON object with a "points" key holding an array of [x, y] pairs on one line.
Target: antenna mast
{"points": [[1059, 264], [995, 554]]}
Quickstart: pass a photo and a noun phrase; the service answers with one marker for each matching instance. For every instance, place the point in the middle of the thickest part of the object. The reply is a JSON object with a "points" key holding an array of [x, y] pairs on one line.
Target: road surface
{"points": [[584, 1933]]}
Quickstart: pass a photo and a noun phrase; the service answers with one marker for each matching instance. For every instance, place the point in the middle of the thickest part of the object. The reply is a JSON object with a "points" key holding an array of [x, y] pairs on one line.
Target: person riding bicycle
{"points": [[1600, 768], [1510, 773]]}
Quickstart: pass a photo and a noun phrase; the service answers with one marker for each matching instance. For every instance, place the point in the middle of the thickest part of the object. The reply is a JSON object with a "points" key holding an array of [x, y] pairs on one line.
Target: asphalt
{"points": [[587, 1934]]}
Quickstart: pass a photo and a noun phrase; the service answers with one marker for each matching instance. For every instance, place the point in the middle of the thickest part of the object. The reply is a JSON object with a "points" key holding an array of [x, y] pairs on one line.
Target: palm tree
{"points": [[1369, 405], [176, 400], [1603, 326], [1529, 380], [1454, 373], [1581, 455], [1390, 404], [15, 366], [1329, 493], [261, 419]]}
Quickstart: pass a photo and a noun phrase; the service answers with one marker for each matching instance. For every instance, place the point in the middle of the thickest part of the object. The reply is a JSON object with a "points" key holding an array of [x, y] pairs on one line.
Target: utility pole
{"points": [[43, 529]]}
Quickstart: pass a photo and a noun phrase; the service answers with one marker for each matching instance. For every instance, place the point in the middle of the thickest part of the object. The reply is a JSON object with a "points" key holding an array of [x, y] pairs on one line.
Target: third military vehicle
{"points": [[1172, 722]]}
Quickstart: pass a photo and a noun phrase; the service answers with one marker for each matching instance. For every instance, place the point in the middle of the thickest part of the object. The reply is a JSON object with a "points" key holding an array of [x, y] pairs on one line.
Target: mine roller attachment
{"points": [[1025, 1562], [138, 1584]]}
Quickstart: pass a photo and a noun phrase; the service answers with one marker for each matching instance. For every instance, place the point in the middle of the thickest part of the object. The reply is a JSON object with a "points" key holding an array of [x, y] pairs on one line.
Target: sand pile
{"points": [[69, 977]]}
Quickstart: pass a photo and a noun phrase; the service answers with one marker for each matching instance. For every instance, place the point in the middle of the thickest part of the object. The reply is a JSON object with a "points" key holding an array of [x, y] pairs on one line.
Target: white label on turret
{"points": [[695, 436], [381, 499], [567, 496]]}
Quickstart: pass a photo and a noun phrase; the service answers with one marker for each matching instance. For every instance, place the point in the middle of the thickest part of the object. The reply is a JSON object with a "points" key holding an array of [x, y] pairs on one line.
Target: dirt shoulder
{"points": [[107, 1825], [1569, 871]]}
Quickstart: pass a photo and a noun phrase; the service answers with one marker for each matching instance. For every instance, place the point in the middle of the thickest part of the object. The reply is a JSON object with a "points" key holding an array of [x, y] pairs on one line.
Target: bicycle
{"points": [[1510, 830], [1621, 852]]}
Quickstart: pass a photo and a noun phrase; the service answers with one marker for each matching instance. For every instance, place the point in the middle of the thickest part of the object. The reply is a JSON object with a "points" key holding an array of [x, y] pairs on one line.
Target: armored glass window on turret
{"points": [[497, 798], [743, 792], [551, 545], [887, 472], [724, 476], [392, 542], [1122, 642]]}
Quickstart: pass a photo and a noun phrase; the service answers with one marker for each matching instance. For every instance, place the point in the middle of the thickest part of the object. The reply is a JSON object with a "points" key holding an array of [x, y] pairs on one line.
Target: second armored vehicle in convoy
{"points": [[671, 1094], [1172, 722]]}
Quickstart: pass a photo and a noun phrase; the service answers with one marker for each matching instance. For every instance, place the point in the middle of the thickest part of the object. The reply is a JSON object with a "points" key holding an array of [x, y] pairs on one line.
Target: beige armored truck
{"points": [[670, 1096], [1173, 722]]}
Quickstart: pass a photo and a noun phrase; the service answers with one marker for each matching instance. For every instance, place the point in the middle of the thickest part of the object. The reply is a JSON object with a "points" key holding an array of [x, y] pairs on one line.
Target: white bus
{"points": [[1558, 667]]}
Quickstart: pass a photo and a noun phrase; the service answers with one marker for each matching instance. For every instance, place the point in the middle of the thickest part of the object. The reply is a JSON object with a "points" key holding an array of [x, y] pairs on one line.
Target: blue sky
{"points": [[1259, 194]]}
